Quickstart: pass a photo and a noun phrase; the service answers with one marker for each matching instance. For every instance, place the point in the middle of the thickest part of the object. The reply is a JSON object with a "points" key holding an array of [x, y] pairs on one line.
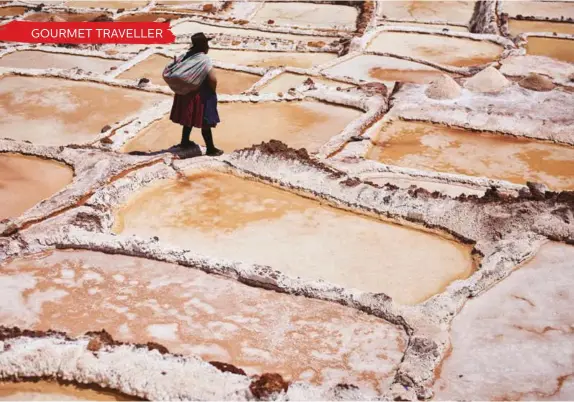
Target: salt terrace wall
{"points": [[505, 227]]}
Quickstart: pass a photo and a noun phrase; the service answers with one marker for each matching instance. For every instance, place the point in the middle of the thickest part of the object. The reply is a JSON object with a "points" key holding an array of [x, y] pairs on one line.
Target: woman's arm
{"points": [[212, 79]]}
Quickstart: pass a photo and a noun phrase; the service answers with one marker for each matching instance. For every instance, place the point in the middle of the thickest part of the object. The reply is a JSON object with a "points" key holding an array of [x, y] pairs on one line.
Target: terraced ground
{"points": [[393, 217]]}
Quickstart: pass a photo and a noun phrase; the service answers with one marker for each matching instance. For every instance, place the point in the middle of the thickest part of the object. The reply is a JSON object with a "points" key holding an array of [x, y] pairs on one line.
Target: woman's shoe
{"points": [[214, 152]]}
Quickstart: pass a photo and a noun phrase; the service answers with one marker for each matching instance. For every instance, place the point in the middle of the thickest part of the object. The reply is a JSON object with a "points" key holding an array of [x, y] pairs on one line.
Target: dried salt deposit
{"points": [[488, 81], [344, 257], [536, 82], [443, 87]]}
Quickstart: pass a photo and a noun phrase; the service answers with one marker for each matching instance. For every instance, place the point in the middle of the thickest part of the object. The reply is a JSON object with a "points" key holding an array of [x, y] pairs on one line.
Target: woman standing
{"points": [[198, 108]]}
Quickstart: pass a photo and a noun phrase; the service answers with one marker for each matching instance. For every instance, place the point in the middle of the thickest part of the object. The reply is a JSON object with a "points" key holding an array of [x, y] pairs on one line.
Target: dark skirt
{"points": [[196, 109]]}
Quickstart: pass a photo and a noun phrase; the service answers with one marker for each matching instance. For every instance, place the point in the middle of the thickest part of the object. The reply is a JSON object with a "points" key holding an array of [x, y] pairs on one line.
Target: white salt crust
{"points": [[503, 238], [140, 372], [133, 371]]}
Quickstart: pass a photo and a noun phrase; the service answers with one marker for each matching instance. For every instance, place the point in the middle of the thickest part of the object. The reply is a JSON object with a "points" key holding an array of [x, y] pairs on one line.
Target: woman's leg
{"points": [[208, 138], [185, 133]]}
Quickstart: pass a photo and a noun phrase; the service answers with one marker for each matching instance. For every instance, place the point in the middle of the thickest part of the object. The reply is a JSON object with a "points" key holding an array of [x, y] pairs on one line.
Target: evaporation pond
{"points": [[460, 52], [271, 59], [454, 12], [53, 391], [308, 14], [27, 180], [539, 9], [386, 69], [517, 27], [52, 111], [435, 147], [559, 49], [194, 313], [284, 82], [40, 60], [69, 17], [240, 220], [130, 4], [514, 341], [12, 11], [299, 124], [191, 27], [228, 81]]}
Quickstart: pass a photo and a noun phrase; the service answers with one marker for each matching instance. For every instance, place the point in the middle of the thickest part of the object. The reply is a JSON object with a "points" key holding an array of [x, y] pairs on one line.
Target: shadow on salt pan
{"points": [[226, 217]]}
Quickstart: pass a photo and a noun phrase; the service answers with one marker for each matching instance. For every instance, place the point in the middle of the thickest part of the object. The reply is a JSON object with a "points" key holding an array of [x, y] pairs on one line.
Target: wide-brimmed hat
{"points": [[199, 39]]}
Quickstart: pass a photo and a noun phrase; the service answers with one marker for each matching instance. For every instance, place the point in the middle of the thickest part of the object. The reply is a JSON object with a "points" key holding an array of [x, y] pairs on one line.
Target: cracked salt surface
{"points": [[192, 312], [231, 218], [516, 341]]}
